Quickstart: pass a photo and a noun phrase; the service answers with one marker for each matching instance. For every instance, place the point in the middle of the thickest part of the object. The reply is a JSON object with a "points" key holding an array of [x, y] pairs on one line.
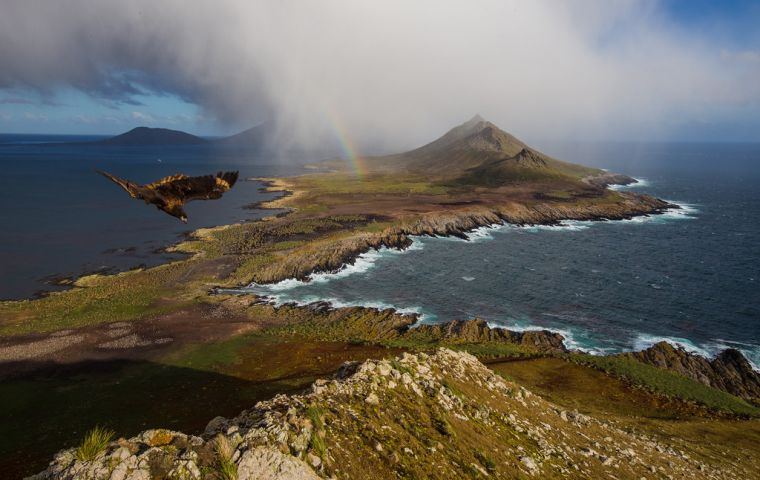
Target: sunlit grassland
{"points": [[99, 299], [348, 184]]}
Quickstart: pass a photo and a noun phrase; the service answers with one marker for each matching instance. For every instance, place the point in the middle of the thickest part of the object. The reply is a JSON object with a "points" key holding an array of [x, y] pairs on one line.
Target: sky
{"points": [[384, 74]]}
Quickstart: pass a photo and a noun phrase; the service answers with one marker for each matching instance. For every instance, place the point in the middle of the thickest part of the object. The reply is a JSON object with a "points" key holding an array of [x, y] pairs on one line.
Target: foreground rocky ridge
{"points": [[444, 415]]}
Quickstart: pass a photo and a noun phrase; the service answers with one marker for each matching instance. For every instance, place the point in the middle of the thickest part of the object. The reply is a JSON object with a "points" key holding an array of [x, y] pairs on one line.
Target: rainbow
{"points": [[357, 164]]}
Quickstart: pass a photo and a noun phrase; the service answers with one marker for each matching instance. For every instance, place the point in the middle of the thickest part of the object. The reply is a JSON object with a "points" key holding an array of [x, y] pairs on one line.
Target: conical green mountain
{"points": [[478, 151]]}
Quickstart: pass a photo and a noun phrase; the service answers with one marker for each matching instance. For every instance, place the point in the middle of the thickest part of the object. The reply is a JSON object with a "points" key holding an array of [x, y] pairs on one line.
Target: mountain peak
{"points": [[475, 120]]}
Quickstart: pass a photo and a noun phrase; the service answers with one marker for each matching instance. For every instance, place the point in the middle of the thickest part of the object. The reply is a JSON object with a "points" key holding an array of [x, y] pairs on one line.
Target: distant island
{"points": [[148, 136], [254, 137]]}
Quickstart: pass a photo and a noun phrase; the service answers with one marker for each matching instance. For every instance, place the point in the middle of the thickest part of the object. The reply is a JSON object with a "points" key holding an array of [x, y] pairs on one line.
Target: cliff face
{"points": [[478, 331], [330, 257], [443, 416], [730, 371]]}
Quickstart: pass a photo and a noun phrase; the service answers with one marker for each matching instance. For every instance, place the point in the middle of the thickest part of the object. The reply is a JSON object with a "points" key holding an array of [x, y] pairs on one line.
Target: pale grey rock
{"points": [[267, 463]]}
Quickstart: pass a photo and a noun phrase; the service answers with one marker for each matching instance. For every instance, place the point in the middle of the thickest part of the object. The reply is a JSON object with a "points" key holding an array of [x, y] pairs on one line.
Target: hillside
{"points": [[444, 415], [146, 136], [254, 137], [479, 152]]}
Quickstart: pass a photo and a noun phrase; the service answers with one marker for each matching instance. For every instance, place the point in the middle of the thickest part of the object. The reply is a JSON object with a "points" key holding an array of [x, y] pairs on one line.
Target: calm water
{"points": [[691, 276], [60, 218]]}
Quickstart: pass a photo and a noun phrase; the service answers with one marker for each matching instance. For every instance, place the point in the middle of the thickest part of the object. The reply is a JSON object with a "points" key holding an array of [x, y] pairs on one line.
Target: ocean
{"points": [[690, 276], [61, 219]]}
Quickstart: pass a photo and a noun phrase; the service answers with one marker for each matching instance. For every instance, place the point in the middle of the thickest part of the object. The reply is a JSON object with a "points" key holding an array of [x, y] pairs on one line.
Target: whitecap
{"points": [[468, 279], [751, 351], [283, 298], [563, 226], [645, 340], [640, 182], [708, 349], [361, 264], [478, 234], [572, 340]]}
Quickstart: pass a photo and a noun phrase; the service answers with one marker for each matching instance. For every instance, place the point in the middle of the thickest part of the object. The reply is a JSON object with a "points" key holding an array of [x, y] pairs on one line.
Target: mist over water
{"points": [[690, 276]]}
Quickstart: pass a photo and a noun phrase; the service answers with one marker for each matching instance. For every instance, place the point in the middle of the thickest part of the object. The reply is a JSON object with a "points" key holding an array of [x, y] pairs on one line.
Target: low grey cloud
{"points": [[384, 73], [15, 101]]}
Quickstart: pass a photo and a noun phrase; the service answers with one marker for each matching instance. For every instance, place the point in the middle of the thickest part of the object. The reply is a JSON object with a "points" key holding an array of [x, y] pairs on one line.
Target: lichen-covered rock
{"points": [[445, 416], [267, 463]]}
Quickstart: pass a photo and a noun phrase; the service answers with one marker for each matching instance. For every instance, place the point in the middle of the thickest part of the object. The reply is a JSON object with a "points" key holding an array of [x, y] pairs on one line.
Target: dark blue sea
{"points": [[691, 276], [59, 218]]}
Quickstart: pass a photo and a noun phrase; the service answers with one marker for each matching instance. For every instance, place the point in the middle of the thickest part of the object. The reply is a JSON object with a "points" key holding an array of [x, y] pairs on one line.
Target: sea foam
{"points": [[361, 264], [707, 349], [640, 182]]}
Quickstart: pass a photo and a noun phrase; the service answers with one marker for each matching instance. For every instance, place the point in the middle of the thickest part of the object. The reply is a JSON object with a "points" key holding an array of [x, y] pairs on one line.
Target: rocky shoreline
{"points": [[457, 223], [730, 371]]}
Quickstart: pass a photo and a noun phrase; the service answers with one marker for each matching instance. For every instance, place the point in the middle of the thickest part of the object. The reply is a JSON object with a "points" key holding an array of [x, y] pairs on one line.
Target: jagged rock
{"points": [[478, 331], [416, 431], [530, 464], [266, 463], [730, 371]]}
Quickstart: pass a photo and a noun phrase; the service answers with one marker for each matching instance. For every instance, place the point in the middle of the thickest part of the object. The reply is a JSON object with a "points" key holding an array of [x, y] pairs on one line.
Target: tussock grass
{"points": [[93, 443], [224, 451], [317, 442]]}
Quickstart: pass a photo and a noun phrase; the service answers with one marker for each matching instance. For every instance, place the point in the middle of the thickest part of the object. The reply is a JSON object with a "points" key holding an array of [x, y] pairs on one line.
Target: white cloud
{"points": [[35, 117], [385, 71], [143, 117]]}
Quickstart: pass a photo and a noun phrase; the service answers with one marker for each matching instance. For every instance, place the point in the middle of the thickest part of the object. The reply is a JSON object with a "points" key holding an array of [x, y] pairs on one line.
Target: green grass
{"points": [[442, 426], [93, 443], [342, 184], [486, 461], [127, 296], [668, 383], [315, 415], [317, 443], [224, 452]]}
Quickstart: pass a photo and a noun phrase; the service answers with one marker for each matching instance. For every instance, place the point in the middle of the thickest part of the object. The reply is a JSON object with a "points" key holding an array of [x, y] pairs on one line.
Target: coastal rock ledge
{"points": [[444, 415], [730, 371]]}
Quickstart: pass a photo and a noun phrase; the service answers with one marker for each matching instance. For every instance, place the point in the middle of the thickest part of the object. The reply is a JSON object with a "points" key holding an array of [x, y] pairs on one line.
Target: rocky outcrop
{"points": [[443, 416], [321, 321], [730, 371], [605, 179], [478, 331]]}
